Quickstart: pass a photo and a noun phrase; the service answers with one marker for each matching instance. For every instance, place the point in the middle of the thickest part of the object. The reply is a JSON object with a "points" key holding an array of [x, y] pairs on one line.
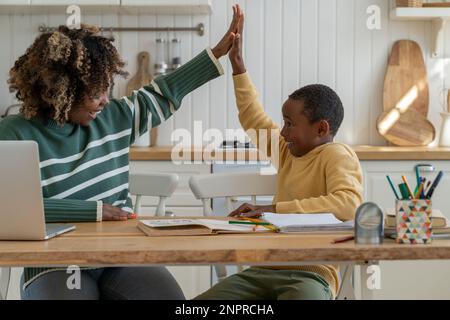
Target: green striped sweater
{"points": [[84, 167]]}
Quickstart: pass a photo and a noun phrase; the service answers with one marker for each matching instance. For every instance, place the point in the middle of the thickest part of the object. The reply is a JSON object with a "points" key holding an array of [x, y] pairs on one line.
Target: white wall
{"points": [[288, 44]]}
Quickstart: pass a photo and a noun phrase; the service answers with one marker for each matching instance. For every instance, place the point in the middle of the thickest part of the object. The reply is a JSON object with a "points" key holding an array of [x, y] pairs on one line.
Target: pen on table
{"points": [[392, 186], [419, 189], [250, 222], [418, 179], [422, 193], [434, 184], [407, 186], [343, 239], [427, 188], [404, 191]]}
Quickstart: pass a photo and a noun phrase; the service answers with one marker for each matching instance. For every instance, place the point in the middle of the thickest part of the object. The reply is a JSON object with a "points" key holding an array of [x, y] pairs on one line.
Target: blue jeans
{"points": [[130, 283]]}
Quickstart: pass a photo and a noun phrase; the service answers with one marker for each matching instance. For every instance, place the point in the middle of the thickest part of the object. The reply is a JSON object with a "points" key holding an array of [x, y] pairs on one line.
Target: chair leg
{"points": [[5, 277], [221, 272], [346, 290]]}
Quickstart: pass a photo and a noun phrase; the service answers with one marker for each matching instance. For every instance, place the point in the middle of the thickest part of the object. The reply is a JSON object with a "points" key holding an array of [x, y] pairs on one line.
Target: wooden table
{"points": [[122, 244]]}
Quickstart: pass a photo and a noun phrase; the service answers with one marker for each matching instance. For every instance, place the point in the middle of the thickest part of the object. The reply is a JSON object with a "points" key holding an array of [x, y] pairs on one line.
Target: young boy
{"points": [[314, 175]]}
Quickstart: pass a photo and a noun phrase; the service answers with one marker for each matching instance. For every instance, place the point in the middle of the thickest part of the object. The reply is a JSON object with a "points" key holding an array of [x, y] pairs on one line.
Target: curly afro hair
{"points": [[62, 68]]}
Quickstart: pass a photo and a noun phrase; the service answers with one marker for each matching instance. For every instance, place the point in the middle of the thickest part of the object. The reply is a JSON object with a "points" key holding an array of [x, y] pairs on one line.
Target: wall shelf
{"points": [[438, 16], [108, 6]]}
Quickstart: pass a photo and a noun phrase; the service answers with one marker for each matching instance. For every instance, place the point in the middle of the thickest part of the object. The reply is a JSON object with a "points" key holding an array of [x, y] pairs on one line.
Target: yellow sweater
{"points": [[327, 179]]}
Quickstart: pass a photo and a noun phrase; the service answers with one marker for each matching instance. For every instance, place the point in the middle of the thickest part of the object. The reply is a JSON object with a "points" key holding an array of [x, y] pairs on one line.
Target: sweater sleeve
{"points": [[253, 117], [155, 103], [344, 191], [71, 210]]}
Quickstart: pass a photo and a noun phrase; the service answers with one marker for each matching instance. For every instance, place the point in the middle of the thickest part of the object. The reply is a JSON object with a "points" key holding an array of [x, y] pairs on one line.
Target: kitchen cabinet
{"points": [[409, 279]]}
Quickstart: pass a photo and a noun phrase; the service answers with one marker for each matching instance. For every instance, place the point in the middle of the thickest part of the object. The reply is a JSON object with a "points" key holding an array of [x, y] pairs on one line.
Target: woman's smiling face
{"points": [[87, 111]]}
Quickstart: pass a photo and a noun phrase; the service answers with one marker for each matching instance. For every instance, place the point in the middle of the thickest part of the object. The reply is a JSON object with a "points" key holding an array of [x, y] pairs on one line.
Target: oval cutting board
{"points": [[406, 98], [406, 82]]}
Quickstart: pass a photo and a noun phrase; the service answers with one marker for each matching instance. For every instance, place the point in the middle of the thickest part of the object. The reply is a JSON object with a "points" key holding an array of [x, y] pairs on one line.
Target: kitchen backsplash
{"points": [[288, 44]]}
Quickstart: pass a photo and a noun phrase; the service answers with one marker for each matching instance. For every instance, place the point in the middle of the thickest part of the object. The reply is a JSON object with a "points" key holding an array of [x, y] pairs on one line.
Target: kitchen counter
{"points": [[163, 153]]}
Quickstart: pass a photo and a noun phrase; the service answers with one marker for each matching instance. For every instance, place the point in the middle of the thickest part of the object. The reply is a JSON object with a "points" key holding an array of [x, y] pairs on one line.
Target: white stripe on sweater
{"points": [[85, 166], [90, 145], [90, 182], [158, 90], [109, 193], [129, 104], [137, 116], [155, 104]]}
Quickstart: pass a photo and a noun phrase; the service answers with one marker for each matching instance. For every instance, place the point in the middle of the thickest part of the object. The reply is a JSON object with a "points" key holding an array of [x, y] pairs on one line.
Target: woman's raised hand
{"points": [[226, 42]]}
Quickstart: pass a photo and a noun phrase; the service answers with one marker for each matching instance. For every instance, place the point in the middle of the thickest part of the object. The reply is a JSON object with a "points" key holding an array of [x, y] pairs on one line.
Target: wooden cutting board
{"points": [[140, 79], [408, 129], [406, 98], [406, 78]]}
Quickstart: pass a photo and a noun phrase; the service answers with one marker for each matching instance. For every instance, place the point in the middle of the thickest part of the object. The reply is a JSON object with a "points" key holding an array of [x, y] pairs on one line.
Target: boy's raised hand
{"points": [[226, 42], [235, 54]]}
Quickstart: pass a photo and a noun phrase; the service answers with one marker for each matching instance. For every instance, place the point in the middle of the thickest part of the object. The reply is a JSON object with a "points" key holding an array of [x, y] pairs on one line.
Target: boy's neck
{"points": [[320, 143]]}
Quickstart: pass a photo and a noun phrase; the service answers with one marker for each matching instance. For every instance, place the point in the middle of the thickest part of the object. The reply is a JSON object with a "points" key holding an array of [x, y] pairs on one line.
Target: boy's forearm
{"points": [[238, 66]]}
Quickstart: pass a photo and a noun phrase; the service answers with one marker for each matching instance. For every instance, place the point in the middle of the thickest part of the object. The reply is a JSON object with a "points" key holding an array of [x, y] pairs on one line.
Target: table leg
{"points": [[5, 275]]}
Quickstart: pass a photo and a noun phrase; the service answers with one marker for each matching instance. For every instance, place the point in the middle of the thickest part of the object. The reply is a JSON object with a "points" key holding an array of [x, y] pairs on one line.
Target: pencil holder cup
{"points": [[413, 221]]}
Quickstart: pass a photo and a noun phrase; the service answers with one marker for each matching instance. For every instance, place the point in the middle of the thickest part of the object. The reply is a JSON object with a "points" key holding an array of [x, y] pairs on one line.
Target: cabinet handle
{"points": [[425, 167]]}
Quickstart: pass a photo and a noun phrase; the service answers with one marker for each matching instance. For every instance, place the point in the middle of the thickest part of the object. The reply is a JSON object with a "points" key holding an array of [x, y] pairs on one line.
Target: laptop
{"points": [[21, 202]]}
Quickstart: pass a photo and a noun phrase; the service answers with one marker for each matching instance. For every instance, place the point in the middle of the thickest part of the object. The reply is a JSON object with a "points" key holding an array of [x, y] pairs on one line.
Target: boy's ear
{"points": [[323, 128]]}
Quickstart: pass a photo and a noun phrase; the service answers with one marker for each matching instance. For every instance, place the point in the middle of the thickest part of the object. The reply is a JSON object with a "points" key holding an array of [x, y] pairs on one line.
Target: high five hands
{"points": [[231, 42]]}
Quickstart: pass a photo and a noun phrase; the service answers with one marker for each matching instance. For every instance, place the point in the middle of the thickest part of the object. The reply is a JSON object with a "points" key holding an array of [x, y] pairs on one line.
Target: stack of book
{"points": [[439, 222]]}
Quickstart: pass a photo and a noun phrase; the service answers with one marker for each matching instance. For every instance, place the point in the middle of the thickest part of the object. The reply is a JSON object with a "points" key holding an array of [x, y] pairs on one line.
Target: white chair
{"points": [[232, 185], [160, 185]]}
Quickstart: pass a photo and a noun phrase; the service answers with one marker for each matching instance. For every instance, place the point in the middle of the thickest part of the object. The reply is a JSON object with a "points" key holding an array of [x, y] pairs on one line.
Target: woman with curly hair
{"points": [[84, 140]]}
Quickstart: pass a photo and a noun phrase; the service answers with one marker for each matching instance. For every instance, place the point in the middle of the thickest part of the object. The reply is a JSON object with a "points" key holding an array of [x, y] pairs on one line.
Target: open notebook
{"points": [[307, 222], [191, 227]]}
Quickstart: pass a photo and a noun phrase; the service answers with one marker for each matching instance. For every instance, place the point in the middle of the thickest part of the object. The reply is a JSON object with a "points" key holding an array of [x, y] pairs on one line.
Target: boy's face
{"points": [[300, 135]]}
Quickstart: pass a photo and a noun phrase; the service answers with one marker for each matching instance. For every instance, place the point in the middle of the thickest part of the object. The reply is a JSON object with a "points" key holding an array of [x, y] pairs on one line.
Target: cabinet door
{"points": [[378, 190], [418, 279]]}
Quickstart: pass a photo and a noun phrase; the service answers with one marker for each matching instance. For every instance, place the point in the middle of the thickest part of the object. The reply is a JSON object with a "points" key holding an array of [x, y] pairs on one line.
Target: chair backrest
{"points": [[160, 185], [230, 185]]}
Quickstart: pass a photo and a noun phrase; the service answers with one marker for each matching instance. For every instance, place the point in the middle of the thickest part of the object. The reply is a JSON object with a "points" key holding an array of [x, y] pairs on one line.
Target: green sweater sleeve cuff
{"points": [[70, 210], [177, 84]]}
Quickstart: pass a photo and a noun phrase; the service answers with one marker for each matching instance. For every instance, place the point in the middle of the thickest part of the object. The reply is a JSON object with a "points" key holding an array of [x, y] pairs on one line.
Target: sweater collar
{"points": [[313, 152], [65, 129]]}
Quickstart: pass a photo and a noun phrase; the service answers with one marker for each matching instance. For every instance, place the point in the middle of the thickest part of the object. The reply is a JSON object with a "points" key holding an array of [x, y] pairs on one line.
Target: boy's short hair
{"points": [[321, 103]]}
